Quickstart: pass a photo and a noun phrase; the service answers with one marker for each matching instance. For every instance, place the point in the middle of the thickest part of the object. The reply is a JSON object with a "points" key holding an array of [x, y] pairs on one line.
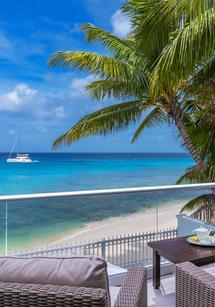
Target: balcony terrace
{"points": [[120, 251]]}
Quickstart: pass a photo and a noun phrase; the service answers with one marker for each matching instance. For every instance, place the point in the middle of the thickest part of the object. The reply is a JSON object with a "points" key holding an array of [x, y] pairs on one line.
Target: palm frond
{"points": [[199, 202], [156, 117], [202, 83], [150, 29], [193, 175], [121, 48], [117, 89], [185, 54], [107, 120], [184, 10], [199, 173], [104, 67], [190, 107]]}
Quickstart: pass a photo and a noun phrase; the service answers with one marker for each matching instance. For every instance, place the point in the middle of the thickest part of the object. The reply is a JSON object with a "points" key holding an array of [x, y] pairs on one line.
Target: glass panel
{"points": [[40, 222], [117, 227], [170, 204], [3, 228]]}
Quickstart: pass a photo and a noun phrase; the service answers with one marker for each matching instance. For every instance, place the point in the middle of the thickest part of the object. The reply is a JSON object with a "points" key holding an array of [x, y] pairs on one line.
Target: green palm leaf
{"points": [[156, 117], [121, 48], [200, 202], [199, 174], [186, 9], [193, 175], [202, 84], [117, 89], [185, 52], [150, 29], [109, 119], [100, 65]]}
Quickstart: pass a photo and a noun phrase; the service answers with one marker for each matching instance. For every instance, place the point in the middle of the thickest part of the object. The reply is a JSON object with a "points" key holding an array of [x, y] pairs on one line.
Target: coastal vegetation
{"points": [[161, 73]]}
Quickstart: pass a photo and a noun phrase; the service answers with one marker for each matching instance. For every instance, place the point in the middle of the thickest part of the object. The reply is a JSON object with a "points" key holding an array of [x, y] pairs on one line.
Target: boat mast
{"points": [[13, 148]]}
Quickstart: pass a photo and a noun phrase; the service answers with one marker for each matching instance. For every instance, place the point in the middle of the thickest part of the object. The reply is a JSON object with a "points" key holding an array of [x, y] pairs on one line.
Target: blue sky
{"points": [[37, 103]]}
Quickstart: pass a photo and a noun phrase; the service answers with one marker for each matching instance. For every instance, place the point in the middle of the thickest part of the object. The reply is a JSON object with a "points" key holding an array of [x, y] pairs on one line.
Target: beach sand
{"points": [[135, 223]]}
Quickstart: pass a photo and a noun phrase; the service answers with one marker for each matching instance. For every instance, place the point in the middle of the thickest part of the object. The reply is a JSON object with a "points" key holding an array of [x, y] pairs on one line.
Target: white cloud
{"points": [[31, 102], [77, 90], [21, 97], [120, 23], [60, 112]]}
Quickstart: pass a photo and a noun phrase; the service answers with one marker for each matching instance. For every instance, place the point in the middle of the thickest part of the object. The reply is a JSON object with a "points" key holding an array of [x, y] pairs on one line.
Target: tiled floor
{"points": [[165, 295]]}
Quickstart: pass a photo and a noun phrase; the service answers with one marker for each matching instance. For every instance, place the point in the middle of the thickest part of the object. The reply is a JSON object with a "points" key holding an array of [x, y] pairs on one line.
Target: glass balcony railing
{"points": [[116, 224]]}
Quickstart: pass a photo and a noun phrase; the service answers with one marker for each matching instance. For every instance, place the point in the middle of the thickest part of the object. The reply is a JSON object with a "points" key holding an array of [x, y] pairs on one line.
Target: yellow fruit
{"points": [[194, 238]]}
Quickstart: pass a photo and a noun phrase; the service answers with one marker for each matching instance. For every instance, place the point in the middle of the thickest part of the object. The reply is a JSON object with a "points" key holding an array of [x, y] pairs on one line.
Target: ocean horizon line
{"points": [[103, 152]]}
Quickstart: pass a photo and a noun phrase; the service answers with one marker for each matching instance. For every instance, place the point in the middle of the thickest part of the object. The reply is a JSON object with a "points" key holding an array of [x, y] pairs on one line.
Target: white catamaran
{"points": [[20, 158]]}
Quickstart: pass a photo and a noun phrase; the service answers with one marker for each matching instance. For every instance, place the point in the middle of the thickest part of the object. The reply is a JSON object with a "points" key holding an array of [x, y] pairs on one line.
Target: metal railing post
{"points": [[103, 248], [6, 228]]}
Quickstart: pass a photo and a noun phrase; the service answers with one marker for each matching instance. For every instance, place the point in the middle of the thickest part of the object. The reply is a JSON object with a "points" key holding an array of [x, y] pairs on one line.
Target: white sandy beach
{"points": [[134, 223]]}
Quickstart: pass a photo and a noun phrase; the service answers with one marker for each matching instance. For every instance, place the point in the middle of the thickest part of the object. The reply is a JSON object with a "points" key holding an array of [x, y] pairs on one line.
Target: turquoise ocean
{"points": [[34, 222]]}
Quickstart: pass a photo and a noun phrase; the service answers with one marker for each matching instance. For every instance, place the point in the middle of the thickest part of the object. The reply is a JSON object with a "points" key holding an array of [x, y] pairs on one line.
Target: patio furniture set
{"points": [[83, 281], [194, 287]]}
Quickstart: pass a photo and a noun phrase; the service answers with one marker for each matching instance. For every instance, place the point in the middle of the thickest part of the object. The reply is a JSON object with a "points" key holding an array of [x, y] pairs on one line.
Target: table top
{"points": [[178, 250]]}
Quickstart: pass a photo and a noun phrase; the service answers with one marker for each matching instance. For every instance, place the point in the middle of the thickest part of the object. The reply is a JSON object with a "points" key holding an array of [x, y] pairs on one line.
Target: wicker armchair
{"points": [[194, 287], [133, 293]]}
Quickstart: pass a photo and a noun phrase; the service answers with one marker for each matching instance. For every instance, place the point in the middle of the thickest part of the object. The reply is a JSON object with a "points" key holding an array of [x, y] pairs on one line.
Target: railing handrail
{"points": [[17, 197]]}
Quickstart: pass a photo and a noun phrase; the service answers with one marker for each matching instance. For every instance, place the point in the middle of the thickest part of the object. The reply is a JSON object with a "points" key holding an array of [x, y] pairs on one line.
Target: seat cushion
{"points": [[116, 275], [74, 271], [209, 268]]}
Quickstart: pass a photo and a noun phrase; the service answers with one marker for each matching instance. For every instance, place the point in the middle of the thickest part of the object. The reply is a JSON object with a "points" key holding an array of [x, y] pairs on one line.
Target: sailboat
{"points": [[20, 158]]}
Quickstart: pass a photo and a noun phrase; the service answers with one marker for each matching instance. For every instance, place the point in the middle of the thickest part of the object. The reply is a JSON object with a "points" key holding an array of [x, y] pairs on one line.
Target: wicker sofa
{"points": [[133, 292], [194, 286]]}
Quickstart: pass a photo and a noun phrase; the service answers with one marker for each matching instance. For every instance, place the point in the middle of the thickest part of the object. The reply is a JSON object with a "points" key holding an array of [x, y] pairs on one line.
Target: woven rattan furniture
{"points": [[133, 293], [177, 250], [194, 286]]}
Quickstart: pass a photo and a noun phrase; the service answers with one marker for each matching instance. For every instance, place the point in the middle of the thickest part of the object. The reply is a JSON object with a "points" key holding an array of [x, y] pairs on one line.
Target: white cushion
{"points": [[116, 275], [114, 291], [209, 268]]}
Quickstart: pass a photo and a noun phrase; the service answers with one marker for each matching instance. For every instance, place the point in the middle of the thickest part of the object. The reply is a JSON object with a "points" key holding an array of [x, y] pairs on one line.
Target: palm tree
{"points": [[191, 46], [128, 75], [204, 128]]}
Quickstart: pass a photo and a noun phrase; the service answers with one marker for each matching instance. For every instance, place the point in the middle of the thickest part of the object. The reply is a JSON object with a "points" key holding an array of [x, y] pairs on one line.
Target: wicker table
{"points": [[177, 250]]}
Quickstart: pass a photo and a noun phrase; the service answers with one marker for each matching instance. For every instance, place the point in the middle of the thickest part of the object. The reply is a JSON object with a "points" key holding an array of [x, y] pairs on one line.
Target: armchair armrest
{"points": [[35, 295], [133, 292], [194, 287]]}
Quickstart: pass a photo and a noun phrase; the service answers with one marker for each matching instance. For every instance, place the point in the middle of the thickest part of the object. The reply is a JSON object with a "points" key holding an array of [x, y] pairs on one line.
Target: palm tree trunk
{"points": [[178, 116]]}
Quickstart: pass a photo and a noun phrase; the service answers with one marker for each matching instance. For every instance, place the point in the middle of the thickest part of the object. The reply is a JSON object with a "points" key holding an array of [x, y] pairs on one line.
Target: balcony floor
{"points": [[165, 295]]}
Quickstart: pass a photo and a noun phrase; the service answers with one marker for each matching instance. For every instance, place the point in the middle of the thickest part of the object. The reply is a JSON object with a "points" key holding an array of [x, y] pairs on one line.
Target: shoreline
{"points": [[130, 224], [139, 222]]}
